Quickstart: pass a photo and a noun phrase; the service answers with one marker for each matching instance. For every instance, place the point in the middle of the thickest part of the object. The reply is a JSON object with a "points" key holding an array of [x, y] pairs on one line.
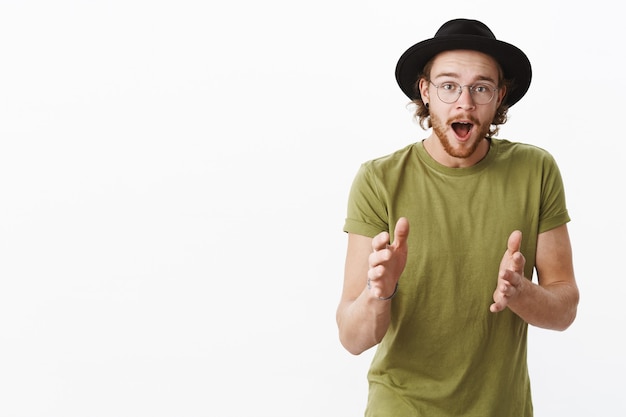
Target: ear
{"points": [[501, 94], [424, 90]]}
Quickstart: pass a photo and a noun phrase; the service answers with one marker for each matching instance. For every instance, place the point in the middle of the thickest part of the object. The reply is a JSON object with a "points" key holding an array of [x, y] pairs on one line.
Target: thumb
{"points": [[401, 232], [514, 243]]}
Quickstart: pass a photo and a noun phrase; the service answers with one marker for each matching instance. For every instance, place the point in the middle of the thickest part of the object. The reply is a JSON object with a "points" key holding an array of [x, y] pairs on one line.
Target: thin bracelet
{"points": [[391, 296]]}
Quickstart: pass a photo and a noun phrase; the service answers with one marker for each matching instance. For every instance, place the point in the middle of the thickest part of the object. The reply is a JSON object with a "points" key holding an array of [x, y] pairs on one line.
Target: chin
{"points": [[460, 149]]}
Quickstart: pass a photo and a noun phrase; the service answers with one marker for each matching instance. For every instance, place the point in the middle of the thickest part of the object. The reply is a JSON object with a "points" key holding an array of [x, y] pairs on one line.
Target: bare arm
{"points": [[550, 304], [372, 270]]}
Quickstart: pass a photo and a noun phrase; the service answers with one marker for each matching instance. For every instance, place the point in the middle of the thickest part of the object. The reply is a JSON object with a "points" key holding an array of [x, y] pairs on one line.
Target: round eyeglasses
{"points": [[449, 92]]}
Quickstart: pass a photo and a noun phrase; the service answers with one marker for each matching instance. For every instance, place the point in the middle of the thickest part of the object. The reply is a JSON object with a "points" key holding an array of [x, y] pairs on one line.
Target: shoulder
{"points": [[504, 145], [522, 152], [393, 160]]}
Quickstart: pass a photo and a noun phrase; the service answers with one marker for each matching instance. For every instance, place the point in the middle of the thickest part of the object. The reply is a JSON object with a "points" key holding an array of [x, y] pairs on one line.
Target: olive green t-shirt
{"points": [[445, 353]]}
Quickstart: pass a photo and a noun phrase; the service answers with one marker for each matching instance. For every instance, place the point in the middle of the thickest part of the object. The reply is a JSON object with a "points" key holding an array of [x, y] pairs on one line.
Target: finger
{"points": [[508, 279], [514, 243], [519, 262], [401, 232], [505, 276], [375, 272], [377, 258], [380, 241], [496, 307], [499, 301], [511, 259]]}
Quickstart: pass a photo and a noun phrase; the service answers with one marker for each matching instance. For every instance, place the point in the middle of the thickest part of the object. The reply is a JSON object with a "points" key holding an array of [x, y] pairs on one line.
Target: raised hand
{"points": [[387, 261], [510, 275]]}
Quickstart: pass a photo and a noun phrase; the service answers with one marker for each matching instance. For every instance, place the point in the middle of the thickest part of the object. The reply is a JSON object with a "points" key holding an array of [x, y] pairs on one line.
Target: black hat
{"points": [[465, 34]]}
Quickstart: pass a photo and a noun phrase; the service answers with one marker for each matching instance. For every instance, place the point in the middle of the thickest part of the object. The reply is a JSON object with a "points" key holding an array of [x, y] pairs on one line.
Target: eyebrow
{"points": [[455, 75]]}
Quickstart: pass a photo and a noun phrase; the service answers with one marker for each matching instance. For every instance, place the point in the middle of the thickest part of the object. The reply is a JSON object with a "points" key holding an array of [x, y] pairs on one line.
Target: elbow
{"points": [[351, 345], [567, 321], [356, 343], [573, 311], [353, 349], [569, 316], [350, 338], [357, 337]]}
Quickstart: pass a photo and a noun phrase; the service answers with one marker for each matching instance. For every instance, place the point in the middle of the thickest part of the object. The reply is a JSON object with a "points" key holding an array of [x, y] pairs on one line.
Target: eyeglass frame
{"points": [[460, 91]]}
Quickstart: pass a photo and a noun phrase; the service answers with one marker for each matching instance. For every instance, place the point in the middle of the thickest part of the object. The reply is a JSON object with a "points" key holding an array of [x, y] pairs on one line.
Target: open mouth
{"points": [[462, 129]]}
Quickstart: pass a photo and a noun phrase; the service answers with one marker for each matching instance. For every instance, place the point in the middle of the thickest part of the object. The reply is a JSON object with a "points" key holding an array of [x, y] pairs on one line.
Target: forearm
{"points": [[363, 322], [551, 307]]}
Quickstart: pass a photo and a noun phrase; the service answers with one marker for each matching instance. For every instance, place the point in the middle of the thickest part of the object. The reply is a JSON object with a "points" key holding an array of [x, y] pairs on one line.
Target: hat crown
{"points": [[465, 27]]}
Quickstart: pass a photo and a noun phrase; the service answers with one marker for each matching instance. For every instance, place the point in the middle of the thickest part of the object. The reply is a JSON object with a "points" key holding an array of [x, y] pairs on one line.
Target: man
{"points": [[448, 311]]}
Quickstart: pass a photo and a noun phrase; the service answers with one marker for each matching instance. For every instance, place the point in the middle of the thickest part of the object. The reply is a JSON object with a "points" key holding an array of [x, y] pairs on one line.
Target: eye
{"points": [[483, 88], [449, 86]]}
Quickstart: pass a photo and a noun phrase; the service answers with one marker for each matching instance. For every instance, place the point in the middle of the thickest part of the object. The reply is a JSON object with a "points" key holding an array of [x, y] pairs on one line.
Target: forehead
{"points": [[465, 64]]}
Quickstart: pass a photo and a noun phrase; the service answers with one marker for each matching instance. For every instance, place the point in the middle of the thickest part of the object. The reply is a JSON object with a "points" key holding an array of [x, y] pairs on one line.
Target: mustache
{"points": [[468, 117]]}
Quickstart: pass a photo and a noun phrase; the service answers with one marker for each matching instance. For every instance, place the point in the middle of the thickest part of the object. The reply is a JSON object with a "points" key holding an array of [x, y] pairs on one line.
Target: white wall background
{"points": [[173, 180]]}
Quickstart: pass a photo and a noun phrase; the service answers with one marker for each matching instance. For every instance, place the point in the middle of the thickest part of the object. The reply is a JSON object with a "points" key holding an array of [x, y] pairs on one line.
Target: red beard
{"points": [[479, 132]]}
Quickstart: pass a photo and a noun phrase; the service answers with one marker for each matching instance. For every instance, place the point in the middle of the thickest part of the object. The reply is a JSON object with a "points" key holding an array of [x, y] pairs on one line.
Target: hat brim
{"points": [[515, 64]]}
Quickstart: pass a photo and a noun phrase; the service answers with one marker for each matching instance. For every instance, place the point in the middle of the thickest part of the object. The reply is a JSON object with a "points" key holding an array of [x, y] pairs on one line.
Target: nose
{"points": [[465, 100]]}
